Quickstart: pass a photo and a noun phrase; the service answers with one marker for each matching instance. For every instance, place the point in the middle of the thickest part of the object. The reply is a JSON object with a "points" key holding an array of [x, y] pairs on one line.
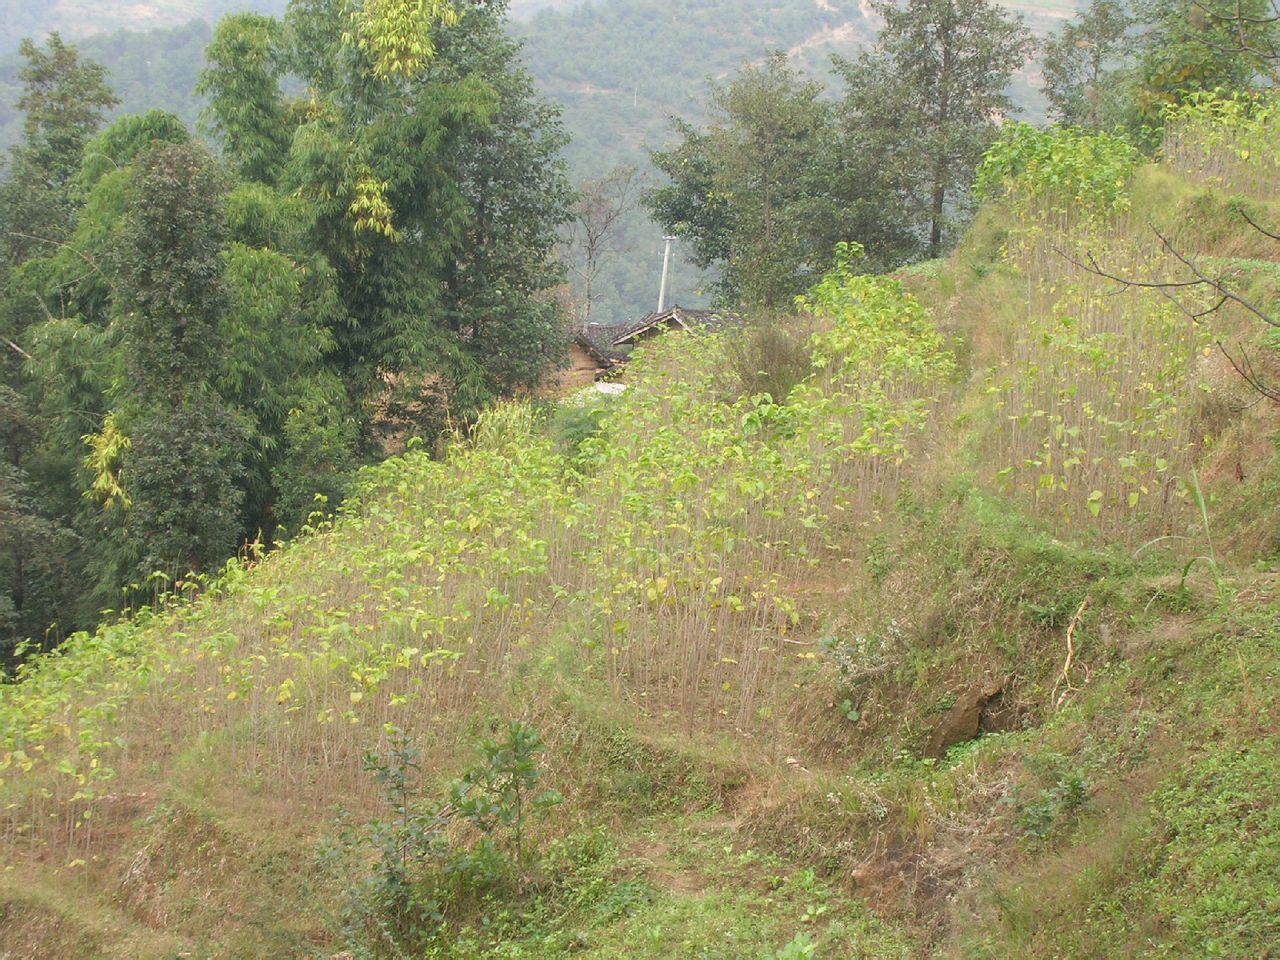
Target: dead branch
{"points": [[1169, 289], [1253, 223], [1216, 284], [1246, 372], [17, 349], [1239, 16], [1064, 679], [1240, 23]]}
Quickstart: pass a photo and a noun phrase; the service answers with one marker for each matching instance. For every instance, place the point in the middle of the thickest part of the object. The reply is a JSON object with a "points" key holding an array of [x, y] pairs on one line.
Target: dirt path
{"points": [[827, 36]]}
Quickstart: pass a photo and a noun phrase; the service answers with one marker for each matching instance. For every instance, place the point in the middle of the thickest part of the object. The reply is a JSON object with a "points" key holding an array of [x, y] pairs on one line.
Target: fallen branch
{"points": [[870, 673], [1065, 677]]}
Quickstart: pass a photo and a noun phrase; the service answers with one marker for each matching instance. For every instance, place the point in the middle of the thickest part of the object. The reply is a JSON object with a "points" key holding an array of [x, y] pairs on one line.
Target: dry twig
{"points": [[1064, 679]]}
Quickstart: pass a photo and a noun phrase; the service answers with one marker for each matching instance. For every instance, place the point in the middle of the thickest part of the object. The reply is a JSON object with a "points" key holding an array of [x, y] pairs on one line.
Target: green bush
{"points": [[420, 874]]}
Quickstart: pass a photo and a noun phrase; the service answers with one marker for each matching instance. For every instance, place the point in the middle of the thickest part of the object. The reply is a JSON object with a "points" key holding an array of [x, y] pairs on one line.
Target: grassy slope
{"points": [[1136, 815]]}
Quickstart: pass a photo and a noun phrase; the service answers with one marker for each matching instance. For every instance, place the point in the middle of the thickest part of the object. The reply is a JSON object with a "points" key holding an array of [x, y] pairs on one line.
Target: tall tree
{"points": [[933, 90], [436, 194], [592, 231], [768, 140], [770, 187], [64, 99], [1081, 63], [186, 444], [170, 296], [497, 297], [226, 335], [242, 82]]}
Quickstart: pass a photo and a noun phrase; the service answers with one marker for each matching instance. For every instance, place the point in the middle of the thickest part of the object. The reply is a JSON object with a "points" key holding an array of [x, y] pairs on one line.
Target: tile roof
{"points": [[694, 320], [610, 345]]}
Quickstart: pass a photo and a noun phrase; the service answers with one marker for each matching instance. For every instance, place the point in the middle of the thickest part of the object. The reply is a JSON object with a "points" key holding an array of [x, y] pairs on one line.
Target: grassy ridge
{"points": [[739, 603]]}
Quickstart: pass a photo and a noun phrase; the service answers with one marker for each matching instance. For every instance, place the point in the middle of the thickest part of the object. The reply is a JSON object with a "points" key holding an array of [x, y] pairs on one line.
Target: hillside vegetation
{"points": [[619, 70], [78, 18], [940, 621]]}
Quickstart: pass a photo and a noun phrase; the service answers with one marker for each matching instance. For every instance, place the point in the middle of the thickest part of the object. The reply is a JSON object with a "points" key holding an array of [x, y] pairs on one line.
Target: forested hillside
{"points": [[925, 604], [82, 18], [938, 620], [620, 71]]}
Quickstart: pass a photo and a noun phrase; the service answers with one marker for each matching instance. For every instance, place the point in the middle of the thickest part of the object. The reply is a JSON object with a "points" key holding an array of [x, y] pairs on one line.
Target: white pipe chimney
{"points": [[666, 272]]}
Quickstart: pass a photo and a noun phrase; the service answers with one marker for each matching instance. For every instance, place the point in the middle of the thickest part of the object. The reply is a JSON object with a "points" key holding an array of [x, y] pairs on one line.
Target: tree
{"points": [[1081, 61], [436, 195], [63, 99], [591, 234], [37, 567], [170, 296], [932, 92], [246, 109], [182, 474], [770, 187], [511, 175], [765, 152], [1194, 47], [206, 343], [186, 445], [274, 372]]}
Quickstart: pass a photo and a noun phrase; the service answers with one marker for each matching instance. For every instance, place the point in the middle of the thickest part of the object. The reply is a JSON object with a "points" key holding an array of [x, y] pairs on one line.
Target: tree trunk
{"points": [[935, 226], [939, 199]]}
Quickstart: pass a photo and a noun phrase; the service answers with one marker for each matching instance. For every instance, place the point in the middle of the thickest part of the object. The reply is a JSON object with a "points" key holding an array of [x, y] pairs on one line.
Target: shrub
{"points": [[419, 873], [768, 357]]}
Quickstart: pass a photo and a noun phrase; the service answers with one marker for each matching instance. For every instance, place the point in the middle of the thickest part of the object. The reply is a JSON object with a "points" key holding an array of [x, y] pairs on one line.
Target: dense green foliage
{"points": [[938, 619], [773, 183], [1062, 168], [203, 346]]}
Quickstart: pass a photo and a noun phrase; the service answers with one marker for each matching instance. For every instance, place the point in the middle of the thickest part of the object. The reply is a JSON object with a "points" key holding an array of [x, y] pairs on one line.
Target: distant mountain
{"points": [[622, 67], [82, 18], [526, 8]]}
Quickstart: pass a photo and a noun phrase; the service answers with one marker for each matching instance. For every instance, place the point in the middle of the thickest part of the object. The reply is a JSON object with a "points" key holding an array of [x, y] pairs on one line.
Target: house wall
{"points": [[581, 372]]}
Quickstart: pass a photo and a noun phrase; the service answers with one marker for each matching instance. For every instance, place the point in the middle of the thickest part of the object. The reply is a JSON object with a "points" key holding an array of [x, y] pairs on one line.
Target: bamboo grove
{"points": [[201, 338]]}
